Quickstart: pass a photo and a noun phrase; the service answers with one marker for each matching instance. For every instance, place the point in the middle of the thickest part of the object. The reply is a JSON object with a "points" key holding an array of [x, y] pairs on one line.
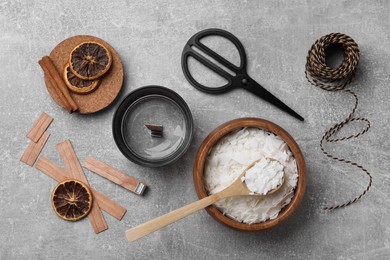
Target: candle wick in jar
{"points": [[155, 130]]}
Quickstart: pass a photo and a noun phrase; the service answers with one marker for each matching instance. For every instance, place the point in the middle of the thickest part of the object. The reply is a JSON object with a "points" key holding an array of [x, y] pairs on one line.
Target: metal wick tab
{"points": [[156, 130]]}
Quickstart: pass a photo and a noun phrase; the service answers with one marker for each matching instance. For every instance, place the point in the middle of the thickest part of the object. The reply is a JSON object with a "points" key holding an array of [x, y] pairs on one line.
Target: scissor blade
{"points": [[261, 92]]}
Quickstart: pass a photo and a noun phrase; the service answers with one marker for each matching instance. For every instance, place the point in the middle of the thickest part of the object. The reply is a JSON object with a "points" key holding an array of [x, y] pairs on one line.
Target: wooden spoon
{"points": [[237, 188]]}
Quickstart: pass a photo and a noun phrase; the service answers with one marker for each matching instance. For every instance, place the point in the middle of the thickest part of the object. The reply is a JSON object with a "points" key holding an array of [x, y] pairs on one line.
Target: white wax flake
{"points": [[232, 155], [264, 176]]}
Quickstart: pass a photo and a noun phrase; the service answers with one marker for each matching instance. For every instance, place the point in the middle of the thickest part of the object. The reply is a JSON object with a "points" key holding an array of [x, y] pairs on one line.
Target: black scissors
{"points": [[241, 79]]}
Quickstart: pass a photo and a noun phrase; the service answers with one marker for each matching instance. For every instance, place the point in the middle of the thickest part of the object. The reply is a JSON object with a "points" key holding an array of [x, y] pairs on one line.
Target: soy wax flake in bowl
{"points": [[231, 155]]}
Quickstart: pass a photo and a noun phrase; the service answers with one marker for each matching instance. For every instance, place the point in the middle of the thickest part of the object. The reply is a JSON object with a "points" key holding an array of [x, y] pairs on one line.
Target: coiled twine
{"points": [[337, 79]]}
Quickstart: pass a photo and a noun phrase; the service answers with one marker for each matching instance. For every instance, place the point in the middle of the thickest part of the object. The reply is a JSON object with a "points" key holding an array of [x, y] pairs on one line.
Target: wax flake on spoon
{"points": [[264, 176]]}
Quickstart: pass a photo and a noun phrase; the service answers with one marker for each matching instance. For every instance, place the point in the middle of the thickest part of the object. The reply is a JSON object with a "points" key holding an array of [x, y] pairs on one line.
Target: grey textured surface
{"points": [[149, 37]]}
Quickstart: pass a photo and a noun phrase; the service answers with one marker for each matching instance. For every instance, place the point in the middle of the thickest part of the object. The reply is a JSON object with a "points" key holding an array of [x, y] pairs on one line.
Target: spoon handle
{"points": [[169, 218]]}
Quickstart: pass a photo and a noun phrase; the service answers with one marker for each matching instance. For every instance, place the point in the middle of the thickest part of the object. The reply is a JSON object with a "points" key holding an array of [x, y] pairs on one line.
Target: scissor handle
{"points": [[189, 52]]}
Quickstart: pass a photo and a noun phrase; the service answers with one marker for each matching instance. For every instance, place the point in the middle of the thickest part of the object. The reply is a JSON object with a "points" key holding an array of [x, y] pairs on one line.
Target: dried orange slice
{"points": [[90, 60], [77, 85], [71, 200]]}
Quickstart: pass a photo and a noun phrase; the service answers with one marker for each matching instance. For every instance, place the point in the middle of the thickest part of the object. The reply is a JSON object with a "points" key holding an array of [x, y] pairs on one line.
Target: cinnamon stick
{"points": [[62, 100], [57, 83]]}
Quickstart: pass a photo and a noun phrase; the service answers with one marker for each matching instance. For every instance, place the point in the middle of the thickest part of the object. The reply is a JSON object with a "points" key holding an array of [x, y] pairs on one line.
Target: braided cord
{"points": [[337, 79]]}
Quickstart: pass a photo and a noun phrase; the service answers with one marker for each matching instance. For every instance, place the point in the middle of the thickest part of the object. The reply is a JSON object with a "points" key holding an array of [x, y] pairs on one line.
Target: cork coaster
{"points": [[109, 87]]}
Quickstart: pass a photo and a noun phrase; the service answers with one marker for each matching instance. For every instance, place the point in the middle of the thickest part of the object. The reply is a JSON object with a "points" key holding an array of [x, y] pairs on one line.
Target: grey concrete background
{"points": [[149, 36]]}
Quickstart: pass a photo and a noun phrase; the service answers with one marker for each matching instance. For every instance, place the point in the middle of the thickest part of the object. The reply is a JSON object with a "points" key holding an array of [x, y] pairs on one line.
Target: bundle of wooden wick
{"points": [[337, 79]]}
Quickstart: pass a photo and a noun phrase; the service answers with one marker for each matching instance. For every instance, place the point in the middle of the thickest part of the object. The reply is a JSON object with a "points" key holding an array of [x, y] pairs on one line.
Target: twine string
{"points": [[337, 79]]}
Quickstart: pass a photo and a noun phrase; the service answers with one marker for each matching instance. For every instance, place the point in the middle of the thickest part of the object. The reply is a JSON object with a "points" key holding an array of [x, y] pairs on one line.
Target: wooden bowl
{"points": [[227, 128]]}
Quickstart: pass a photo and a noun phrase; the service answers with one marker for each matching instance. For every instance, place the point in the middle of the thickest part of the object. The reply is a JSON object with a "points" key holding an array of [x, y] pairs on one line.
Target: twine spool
{"points": [[337, 79]]}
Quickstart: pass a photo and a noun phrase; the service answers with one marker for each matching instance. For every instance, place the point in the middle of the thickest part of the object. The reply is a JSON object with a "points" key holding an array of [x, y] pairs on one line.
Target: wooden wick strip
{"points": [[33, 150], [73, 166], [114, 175], [39, 127], [55, 172], [58, 84]]}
